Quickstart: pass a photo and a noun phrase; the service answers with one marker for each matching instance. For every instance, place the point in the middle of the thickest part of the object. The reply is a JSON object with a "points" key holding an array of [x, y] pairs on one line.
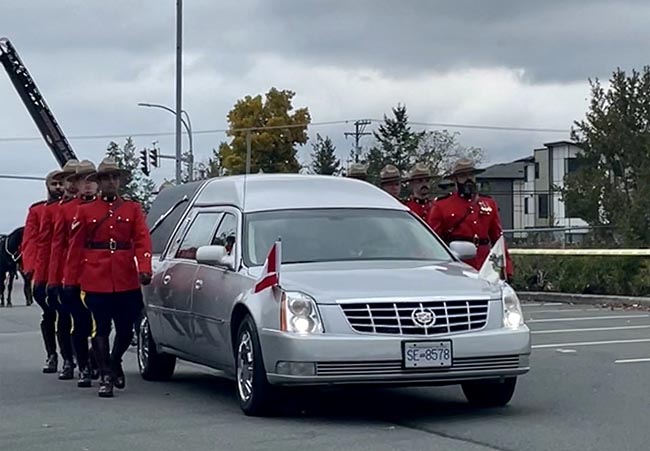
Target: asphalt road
{"points": [[587, 391]]}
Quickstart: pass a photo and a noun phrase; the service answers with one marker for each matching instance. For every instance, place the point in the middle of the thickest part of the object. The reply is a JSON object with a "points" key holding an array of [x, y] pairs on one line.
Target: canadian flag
{"points": [[270, 276]]}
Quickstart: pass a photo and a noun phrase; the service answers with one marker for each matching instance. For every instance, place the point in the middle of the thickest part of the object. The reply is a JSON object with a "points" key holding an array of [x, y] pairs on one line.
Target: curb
{"points": [[589, 299]]}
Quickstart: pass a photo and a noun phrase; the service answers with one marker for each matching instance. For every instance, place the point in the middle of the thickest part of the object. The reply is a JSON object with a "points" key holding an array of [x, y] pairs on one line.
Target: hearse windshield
{"points": [[324, 235]]}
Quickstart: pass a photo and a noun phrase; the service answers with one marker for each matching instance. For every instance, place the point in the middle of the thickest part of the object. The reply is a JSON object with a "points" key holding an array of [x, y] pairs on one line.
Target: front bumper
{"points": [[377, 359]]}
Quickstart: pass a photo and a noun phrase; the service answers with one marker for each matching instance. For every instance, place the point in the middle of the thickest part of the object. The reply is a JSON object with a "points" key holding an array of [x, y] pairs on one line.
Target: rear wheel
{"points": [[490, 393], [253, 389], [153, 365]]}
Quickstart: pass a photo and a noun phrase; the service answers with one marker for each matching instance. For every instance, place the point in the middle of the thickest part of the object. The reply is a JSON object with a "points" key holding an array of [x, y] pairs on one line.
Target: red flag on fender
{"points": [[270, 276]]}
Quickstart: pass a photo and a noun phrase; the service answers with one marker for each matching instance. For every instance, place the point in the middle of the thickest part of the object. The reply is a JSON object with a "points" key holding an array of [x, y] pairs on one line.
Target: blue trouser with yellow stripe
{"points": [[63, 322], [81, 324], [121, 309]]}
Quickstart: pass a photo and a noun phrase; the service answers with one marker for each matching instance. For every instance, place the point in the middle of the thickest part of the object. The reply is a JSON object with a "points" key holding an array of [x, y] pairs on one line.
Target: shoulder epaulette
{"points": [[36, 204]]}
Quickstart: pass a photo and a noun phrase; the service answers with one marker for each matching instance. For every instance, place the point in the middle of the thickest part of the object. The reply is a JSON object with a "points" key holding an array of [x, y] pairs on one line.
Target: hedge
{"points": [[624, 276]]}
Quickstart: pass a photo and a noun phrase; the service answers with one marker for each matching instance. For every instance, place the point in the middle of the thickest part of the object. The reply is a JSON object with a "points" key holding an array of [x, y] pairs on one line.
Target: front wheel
{"points": [[490, 393], [154, 366], [253, 389]]}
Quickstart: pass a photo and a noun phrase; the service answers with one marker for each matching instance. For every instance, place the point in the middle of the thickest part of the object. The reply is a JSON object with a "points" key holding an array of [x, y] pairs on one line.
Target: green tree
{"points": [[398, 144], [396, 141], [612, 183], [273, 149], [324, 159], [138, 186]]}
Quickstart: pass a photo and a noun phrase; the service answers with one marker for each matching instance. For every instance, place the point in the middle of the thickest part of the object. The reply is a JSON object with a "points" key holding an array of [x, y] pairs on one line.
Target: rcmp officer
{"points": [[41, 275], [390, 180], [109, 257], [358, 171], [466, 215], [70, 299], [30, 247], [418, 181]]}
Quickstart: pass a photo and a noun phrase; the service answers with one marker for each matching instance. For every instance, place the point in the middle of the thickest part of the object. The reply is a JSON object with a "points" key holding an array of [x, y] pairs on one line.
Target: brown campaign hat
{"points": [[84, 169], [108, 166], [358, 171], [465, 166], [53, 175], [390, 173], [419, 172], [69, 168]]}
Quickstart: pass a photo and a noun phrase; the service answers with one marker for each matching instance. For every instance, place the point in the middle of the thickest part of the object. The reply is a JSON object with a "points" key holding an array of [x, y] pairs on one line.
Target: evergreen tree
{"points": [[138, 186], [396, 140], [324, 159]]}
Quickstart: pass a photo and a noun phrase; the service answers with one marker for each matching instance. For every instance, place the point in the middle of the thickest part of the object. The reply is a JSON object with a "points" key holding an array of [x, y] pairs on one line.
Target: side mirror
{"points": [[214, 256], [464, 250]]}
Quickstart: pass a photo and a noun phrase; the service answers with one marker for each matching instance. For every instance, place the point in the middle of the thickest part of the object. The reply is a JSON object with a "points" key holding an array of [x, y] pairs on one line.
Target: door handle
{"points": [[198, 284], [167, 279]]}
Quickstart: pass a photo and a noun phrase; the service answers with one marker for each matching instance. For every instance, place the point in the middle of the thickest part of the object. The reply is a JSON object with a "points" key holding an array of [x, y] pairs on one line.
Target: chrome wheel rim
{"points": [[245, 366], [143, 341]]}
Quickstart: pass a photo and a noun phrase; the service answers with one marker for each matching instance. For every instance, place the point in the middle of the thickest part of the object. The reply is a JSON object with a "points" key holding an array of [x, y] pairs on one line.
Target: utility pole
{"points": [[179, 85], [359, 131]]}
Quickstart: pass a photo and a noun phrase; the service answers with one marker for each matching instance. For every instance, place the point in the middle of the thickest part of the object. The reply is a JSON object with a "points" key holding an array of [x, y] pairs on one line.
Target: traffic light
{"points": [[144, 163], [153, 157]]}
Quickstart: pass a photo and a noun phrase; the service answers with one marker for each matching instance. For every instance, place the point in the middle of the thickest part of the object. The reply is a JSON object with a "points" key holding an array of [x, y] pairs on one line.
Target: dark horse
{"points": [[10, 261]]}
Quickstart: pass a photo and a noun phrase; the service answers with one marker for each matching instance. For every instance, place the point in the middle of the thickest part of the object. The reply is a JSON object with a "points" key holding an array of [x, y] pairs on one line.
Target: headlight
{"points": [[299, 314], [513, 316]]}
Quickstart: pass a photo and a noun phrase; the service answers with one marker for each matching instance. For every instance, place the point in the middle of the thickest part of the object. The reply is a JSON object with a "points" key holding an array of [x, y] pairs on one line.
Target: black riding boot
{"points": [[101, 351], [49, 339], [65, 344], [94, 368], [120, 346], [80, 344]]}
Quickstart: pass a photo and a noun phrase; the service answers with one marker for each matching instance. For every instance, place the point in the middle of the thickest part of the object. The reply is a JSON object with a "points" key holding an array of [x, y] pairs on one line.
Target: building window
{"points": [[536, 171], [526, 206], [571, 165], [542, 206]]}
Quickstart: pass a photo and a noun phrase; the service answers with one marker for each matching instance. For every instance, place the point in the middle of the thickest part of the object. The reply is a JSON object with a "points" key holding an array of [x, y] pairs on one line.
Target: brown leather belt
{"points": [[109, 245]]}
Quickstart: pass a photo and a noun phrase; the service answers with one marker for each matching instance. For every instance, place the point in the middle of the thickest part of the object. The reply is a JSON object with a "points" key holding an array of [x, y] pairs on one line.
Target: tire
{"points": [[153, 365], [490, 393], [253, 389]]}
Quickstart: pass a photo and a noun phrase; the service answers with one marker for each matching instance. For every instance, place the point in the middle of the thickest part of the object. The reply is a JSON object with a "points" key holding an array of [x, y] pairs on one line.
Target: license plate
{"points": [[427, 354]]}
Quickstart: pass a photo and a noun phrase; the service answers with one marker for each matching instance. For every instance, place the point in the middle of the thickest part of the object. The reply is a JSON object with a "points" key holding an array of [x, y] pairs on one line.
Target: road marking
{"points": [[590, 343], [647, 359], [589, 329], [587, 318], [542, 304], [570, 310]]}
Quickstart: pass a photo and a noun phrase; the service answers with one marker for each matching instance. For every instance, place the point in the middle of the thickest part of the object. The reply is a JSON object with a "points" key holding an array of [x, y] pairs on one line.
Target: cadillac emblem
{"points": [[423, 317]]}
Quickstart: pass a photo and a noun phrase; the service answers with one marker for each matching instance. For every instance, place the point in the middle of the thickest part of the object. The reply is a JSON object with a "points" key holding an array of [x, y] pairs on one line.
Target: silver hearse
{"points": [[368, 293]]}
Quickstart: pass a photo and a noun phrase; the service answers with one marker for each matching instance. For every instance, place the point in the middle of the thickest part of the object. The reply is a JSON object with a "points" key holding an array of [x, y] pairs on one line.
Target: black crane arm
{"points": [[35, 103]]}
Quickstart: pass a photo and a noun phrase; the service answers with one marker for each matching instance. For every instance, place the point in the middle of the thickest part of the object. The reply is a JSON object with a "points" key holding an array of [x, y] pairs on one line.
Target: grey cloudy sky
{"points": [[506, 63]]}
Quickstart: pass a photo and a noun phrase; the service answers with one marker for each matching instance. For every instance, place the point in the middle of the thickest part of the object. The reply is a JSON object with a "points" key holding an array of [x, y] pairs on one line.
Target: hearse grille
{"points": [[394, 367], [417, 318]]}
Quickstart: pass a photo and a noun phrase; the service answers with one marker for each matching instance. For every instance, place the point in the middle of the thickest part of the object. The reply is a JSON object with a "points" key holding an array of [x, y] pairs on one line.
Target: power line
{"points": [[313, 124], [21, 177], [491, 127], [195, 132]]}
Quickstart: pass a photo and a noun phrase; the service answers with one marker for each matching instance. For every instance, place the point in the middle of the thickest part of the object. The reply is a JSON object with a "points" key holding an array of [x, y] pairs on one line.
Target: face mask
{"points": [[467, 190]]}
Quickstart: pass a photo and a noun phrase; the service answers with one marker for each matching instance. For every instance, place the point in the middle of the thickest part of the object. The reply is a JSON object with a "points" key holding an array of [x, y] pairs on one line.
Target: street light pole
{"points": [[187, 123], [179, 85]]}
